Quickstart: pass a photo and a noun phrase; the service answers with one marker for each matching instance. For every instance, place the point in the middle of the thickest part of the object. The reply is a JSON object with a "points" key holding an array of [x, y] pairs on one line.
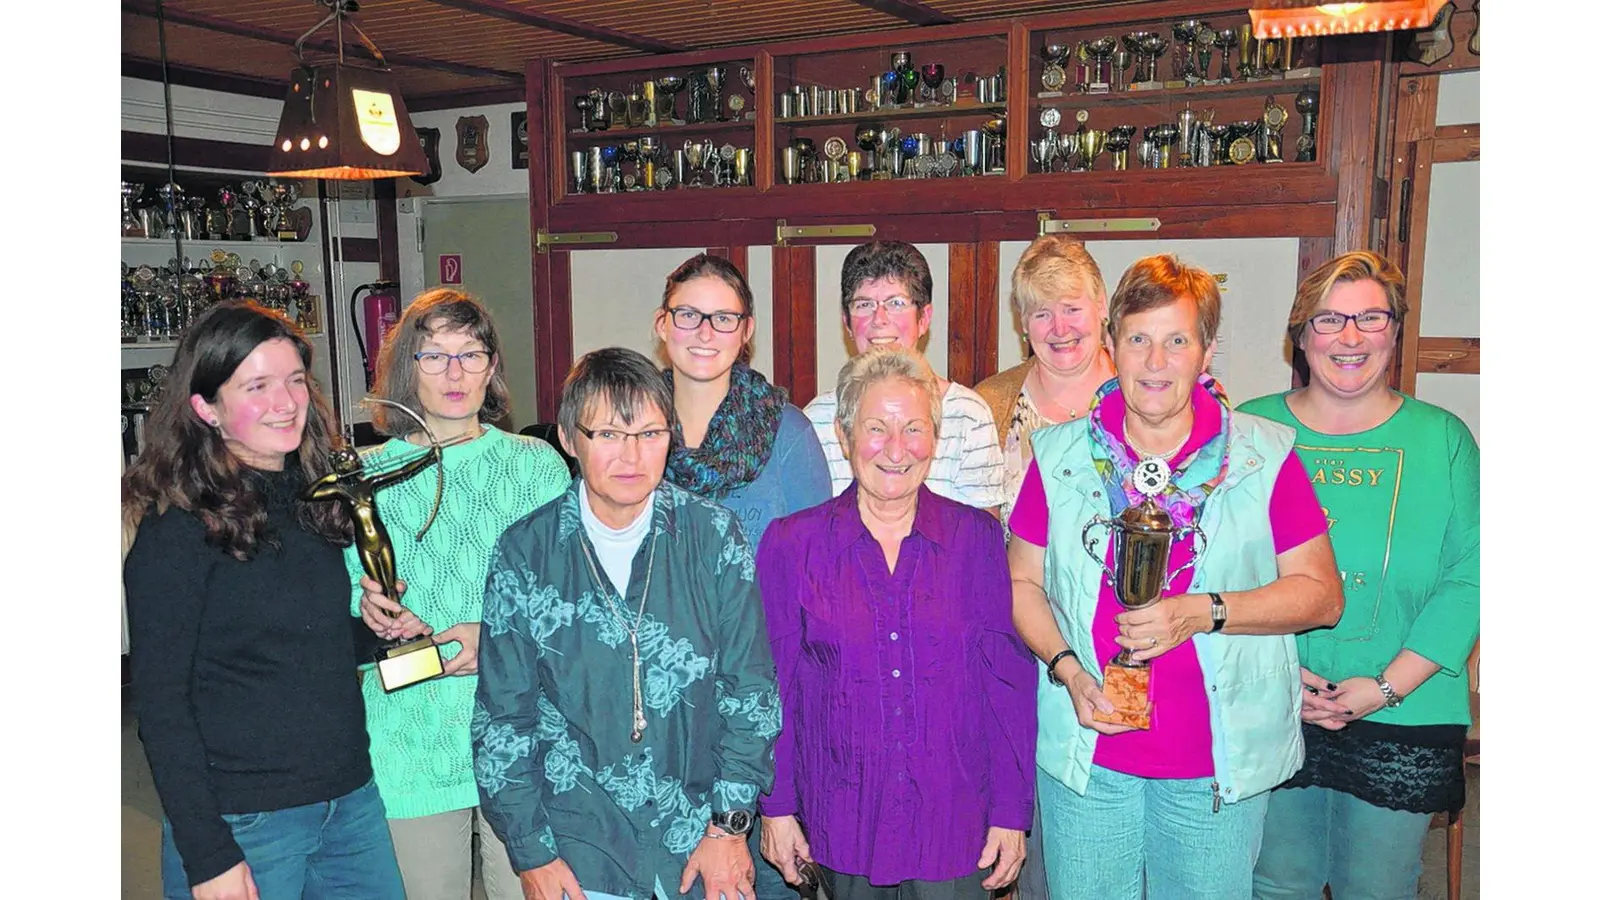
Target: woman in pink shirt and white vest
{"points": [[1174, 809]]}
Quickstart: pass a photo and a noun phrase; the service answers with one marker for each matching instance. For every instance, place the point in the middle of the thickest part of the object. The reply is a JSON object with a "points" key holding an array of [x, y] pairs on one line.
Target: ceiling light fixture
{"points": [[344, 122], [1308, 18]]}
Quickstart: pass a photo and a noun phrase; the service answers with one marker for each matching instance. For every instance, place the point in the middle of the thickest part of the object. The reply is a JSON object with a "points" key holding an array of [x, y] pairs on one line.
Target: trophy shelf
{"points": [[610, 134], [1168, 97], [169, 242], [887, 113]]}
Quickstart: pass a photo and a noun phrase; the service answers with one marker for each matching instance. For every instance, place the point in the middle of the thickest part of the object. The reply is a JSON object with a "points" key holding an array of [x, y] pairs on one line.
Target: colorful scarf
{"points": [[1193, 478], [738, 440]]}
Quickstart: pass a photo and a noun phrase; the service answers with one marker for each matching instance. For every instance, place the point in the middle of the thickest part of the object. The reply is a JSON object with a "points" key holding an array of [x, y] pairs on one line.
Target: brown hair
{"points": [[1053, 266], [397, 364], [1155, 281], [185, 462], [705, 265]]}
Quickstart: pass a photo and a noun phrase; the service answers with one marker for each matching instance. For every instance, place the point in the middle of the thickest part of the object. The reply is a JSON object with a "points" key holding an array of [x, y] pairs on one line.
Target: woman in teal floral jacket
{"points": [[627, 703]]}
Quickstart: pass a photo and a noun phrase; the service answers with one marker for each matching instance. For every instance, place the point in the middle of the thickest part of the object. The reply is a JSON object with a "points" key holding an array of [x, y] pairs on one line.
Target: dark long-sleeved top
{"points": [[908, 698], [557, 773], [244, 680]]}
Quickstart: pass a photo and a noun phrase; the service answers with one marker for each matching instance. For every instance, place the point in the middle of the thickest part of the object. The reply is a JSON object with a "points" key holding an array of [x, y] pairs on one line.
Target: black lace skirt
{"points": [[1411, 768]]}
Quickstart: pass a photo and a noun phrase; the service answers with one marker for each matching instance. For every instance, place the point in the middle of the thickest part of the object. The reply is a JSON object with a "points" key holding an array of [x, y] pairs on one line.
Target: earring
{"points": [[213, 423]]}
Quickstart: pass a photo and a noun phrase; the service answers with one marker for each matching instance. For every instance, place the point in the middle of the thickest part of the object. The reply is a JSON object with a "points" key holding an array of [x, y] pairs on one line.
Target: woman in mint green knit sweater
{"points": [[443, 359], [1384, 696]]}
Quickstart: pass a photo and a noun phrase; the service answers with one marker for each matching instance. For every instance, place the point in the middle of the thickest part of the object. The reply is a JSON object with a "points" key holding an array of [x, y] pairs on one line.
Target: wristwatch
{"points": [[1391, 699], [1219, 613], [734, 821], [1050, 670]]}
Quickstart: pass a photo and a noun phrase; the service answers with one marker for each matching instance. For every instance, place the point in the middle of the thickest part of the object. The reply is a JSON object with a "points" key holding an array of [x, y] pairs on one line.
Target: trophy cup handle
{"points": [[1199, 551], [1098, 521]]}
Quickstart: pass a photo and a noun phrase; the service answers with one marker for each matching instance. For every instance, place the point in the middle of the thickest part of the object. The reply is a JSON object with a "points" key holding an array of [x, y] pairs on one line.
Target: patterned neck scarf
{"points": [[738, 440], [1193, 478]]}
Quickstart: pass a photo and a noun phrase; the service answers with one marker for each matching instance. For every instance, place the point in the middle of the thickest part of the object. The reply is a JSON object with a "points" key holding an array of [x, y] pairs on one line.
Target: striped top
{"points": [[967, 466]]}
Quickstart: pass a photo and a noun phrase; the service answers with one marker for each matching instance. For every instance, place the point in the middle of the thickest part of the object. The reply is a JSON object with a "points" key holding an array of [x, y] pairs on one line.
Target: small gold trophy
{"points": [[1141, 544], [405, 662]]}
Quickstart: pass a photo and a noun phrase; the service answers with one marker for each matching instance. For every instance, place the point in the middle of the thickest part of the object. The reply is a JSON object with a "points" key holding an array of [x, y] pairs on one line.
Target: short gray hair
{"points": [[883, 364], [625, 378]]}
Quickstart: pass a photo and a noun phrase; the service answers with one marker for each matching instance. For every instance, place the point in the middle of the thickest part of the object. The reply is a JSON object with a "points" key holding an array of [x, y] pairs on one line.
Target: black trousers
{"points": [[839, 886]]}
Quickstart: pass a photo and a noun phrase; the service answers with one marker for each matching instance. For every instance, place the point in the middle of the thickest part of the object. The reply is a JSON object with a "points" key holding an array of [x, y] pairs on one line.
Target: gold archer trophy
{"points": [[404, 662]]}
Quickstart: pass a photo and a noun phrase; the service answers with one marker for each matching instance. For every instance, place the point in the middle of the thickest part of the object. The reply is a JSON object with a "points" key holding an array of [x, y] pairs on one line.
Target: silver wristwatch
{"points": [[1390, 698]]}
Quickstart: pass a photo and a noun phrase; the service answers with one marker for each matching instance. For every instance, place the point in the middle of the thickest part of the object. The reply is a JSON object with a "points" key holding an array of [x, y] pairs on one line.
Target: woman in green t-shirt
{"points": [[1385, 691], [443, 359]]}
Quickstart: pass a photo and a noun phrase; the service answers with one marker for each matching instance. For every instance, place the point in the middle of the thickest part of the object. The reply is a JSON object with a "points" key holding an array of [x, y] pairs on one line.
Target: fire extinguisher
{"points": [[372, 317]]}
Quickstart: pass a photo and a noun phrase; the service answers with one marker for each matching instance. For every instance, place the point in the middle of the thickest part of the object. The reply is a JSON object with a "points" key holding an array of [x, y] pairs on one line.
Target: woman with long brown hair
{"points": [[242, 646]]}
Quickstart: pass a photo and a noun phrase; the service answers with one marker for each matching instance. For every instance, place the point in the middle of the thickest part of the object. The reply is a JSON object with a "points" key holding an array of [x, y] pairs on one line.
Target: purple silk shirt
{"points": [[908, 698]]}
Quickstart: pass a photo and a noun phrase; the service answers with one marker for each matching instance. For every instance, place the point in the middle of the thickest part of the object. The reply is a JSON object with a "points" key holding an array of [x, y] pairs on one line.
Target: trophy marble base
{"points": [[1128, 689], [1306, 72], [1146, 86], [405, 664], [1049, 95]]}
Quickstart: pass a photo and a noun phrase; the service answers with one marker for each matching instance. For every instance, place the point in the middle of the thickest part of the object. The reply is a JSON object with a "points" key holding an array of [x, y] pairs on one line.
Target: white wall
{"points": [[496, 177], [1261, 280], [199, 113], [1450, 290]]}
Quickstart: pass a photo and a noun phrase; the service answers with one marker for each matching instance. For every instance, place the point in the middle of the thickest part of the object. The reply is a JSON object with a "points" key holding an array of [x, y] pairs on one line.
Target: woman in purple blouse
{"points": [[906, 756]]}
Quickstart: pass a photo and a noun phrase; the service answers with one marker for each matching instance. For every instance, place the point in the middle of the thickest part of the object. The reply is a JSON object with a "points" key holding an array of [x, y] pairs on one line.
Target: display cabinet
{"points": [[1159, 120], [240, 237]]}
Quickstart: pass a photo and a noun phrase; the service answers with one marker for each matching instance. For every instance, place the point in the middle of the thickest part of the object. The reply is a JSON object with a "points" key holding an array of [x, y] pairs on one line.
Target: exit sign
{"points": [[450, 268]]}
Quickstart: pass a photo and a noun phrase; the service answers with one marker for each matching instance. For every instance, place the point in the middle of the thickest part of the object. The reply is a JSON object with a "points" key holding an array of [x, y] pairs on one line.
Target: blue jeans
{"points": [[1129, 837], [338, 849], [1317, 836]]}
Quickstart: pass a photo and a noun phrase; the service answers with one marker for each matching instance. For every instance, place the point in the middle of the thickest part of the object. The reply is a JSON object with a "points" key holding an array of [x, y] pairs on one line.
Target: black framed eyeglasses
{"points": [[1372, 320], [473, 362], [611, 437], [687, 318]]}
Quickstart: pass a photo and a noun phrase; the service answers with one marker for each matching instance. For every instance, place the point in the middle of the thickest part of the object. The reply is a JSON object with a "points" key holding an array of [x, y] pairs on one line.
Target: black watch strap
{"points": [[1050, 670], [1219, 613]]}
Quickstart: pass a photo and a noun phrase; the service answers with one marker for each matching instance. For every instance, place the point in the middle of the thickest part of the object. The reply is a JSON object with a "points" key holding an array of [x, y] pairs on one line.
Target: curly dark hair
{"points": [[185, 462]]}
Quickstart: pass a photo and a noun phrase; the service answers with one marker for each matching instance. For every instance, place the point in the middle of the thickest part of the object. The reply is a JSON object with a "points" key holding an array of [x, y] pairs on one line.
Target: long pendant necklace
{"points": [[639, 722]]}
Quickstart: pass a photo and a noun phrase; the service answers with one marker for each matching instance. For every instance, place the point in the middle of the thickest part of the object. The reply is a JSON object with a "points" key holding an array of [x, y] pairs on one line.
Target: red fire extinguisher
{"points": [[372, 317]]}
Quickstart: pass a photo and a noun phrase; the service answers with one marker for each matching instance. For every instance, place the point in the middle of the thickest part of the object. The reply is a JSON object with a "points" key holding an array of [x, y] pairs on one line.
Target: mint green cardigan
{"points": [[421, 749]]}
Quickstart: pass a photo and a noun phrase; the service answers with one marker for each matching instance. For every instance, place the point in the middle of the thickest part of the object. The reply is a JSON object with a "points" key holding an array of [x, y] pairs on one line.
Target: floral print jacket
{"points": [[557, 771]]}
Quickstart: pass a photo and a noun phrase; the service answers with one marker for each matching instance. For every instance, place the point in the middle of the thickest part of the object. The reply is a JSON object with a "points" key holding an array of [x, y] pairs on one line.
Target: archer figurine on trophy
{"points": [[408, 661]]}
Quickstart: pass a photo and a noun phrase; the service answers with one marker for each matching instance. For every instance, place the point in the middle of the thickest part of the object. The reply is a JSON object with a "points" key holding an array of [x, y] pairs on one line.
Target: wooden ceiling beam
{"points": [[910, 10], [551, 22], [255, 32]]}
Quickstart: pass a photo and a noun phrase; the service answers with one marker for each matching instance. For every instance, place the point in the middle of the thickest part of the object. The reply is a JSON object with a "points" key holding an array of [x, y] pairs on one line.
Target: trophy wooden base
{"points": [[405, 664], [1128, 689]]}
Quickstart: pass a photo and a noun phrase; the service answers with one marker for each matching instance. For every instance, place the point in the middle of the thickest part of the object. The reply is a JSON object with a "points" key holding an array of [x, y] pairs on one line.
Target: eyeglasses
{"points": [[610, 437], [432, 362], [688, 318], [1333, 322], [863, 307]]}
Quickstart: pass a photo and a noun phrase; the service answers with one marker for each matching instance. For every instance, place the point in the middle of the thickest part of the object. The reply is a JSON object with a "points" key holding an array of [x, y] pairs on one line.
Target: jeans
{"points": [[338, 849], [1129, 837], [1318, 836]]}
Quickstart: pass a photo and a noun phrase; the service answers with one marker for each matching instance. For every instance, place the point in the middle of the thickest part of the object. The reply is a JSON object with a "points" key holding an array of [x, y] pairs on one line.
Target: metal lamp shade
{"points": [[345, 123]]}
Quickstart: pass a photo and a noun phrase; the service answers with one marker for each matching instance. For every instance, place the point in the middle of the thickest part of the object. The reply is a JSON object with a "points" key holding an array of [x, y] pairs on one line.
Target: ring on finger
{"points": [[1154, 641]]}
